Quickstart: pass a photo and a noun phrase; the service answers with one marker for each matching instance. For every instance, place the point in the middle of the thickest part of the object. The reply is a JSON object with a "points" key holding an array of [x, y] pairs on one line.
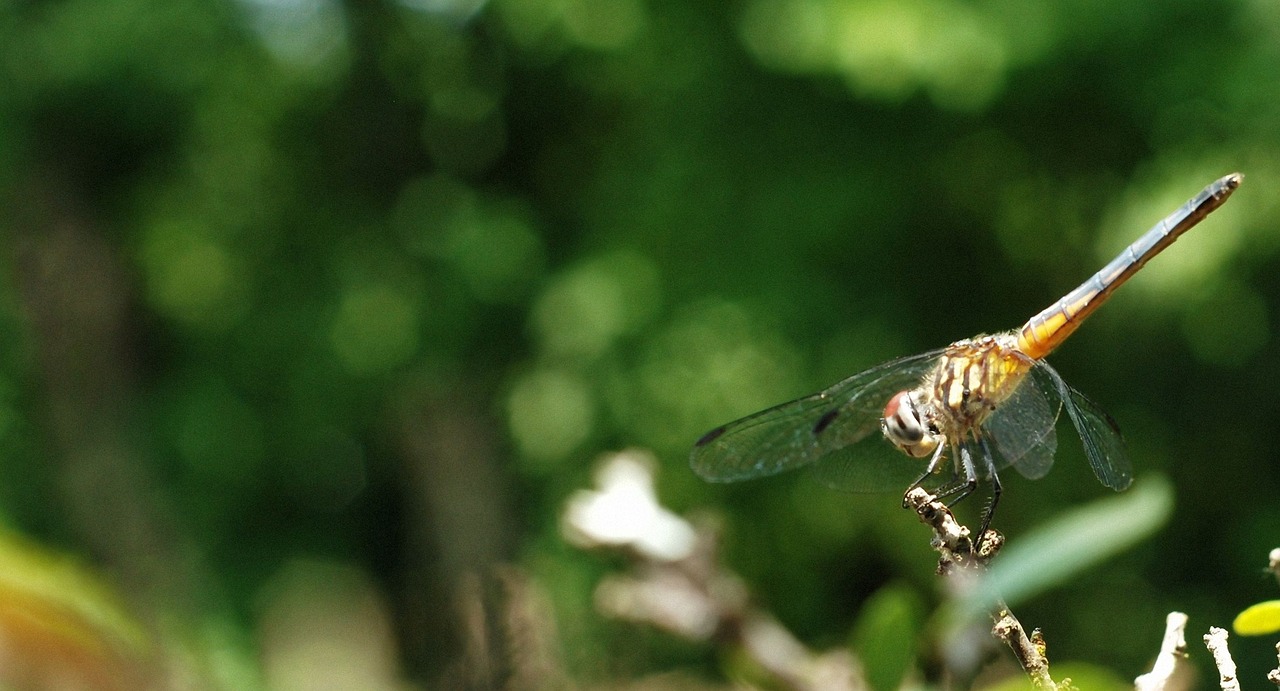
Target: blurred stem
{"points": [[1216, 642], [75, 296], [457, 524], [1173, 649]]}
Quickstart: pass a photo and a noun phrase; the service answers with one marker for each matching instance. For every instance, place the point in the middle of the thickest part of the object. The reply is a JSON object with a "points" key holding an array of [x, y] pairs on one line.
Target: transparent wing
{"points": [[811, 429], [1022, 428], [1100, 435]]}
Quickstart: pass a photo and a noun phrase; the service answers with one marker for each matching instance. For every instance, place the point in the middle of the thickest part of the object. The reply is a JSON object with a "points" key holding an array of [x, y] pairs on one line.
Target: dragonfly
{"points": [[973, 408]]}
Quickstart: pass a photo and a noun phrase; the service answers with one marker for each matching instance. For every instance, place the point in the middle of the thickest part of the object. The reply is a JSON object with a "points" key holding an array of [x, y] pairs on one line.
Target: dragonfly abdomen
{"points": [[1048, 329]]}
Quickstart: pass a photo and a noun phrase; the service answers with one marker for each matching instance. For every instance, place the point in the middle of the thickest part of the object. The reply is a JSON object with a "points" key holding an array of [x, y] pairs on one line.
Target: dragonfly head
{"points": [[905, 426]]}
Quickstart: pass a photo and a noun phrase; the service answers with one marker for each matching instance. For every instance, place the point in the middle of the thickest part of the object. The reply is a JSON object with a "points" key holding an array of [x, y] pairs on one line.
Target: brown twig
{"points": [[951, 540], [1030, 650]]}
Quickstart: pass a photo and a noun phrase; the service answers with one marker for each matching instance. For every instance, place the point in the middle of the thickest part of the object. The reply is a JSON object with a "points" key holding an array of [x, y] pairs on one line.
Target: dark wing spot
{"points": [[825, 421], [709, 437]]}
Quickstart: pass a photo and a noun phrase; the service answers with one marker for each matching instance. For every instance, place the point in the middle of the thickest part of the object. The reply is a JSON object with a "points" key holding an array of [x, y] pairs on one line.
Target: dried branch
{"points": [[1028, 649], [1216, 642], [1172, 650], [950, 539], [677, 584]]}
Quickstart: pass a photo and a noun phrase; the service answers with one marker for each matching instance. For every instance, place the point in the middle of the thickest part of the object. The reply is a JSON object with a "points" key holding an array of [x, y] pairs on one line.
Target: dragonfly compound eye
{"points": [[903, 426]]}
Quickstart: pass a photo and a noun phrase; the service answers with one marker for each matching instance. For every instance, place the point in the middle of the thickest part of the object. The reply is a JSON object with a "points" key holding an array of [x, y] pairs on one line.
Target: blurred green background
{"points": [[315, 313]]}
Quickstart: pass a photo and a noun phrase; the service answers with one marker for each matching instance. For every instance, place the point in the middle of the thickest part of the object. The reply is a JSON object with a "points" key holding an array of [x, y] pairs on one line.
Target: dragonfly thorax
{"points": [[971, 379]]}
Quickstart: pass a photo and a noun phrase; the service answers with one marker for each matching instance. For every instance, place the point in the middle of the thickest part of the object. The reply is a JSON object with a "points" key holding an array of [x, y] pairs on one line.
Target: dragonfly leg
{"points": [[996, 489], [964, 487], [929, 469]]}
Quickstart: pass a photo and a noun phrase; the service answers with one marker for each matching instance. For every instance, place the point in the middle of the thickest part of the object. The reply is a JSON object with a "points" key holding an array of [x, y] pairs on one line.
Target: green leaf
{"points": [[1260, 619]]}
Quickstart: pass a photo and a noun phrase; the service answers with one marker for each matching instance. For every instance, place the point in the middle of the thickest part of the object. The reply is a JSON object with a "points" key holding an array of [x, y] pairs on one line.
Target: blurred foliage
{"points": [[366, 286], [887, 635]]}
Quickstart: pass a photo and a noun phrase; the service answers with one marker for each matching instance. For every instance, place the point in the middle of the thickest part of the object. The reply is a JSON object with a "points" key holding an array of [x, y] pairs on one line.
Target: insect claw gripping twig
{"points": [[953, 541], [960, 555]]}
